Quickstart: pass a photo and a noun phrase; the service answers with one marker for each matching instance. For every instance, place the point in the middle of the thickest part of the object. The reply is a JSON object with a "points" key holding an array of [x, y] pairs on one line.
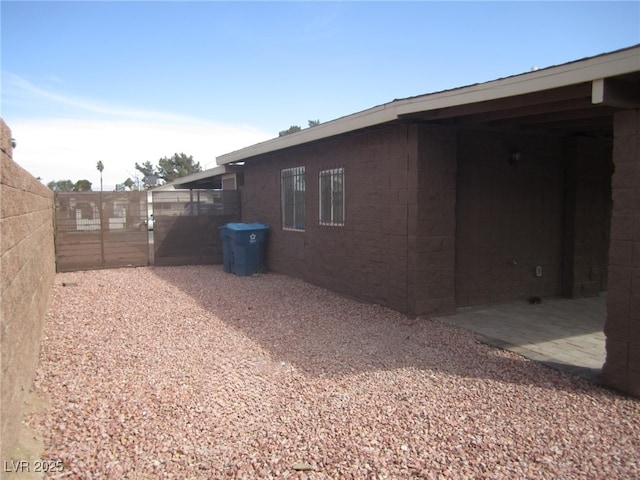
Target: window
{"points": [[292, 193], [332, 197]]}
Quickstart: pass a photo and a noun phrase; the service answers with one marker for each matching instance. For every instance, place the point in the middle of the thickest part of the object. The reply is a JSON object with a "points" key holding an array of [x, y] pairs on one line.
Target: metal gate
{"points": [[186, 225], [101, 230]]}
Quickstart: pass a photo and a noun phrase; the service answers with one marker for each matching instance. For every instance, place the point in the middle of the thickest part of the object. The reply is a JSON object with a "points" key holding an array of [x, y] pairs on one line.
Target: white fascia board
{"points": [[367, 118], [586, 70], [597, 91], [211, 172], [618, 63]]}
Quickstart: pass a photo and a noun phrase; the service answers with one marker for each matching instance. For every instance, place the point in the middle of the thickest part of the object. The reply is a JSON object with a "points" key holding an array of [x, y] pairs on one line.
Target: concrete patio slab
{"points": [[566, 334]]}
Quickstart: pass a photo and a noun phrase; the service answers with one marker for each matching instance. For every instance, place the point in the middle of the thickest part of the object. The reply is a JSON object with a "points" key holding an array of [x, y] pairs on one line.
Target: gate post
{"points": [[101, 210]]}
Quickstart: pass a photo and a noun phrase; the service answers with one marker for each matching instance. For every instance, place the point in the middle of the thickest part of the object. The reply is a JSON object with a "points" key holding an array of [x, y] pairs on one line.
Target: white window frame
{"points": [[292, 193], [331, 209]]}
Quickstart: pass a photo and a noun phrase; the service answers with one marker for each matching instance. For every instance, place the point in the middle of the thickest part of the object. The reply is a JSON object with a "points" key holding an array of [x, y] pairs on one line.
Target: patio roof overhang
{"points": [[573, 98], [582, 108], [207, 179]]}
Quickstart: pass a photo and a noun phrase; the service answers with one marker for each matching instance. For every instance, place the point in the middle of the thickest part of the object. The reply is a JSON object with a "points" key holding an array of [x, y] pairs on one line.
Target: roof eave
{"points": [[194, 177], [593, 68]]}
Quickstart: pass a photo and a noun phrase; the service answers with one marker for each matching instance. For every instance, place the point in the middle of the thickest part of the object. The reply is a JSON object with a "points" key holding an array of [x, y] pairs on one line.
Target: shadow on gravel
{"points": [[327, 335]]}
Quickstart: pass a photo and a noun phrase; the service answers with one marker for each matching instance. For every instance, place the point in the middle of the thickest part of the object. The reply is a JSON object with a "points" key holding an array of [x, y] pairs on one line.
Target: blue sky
{"points": [[127, 82]]}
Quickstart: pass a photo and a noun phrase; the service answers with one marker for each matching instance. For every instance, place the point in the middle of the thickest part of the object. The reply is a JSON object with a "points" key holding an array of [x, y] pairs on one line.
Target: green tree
{"points": [[296, 128], [82, 186], [61, 185], [289, 131], [100, 167], [129, 184], [168, 169], [177, 166], [149, 174], [147, 168]]}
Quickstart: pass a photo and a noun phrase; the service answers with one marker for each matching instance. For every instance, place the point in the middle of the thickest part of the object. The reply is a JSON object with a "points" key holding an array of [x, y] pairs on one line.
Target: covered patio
{"points": [[525, 186]]}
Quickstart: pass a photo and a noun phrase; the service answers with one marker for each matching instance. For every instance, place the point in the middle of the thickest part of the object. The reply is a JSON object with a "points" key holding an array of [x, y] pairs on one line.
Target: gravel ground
{"points": [[188, 372]]}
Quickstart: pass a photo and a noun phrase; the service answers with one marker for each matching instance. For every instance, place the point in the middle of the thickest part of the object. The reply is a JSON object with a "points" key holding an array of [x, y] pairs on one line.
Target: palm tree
{"points": [[100, 167]]}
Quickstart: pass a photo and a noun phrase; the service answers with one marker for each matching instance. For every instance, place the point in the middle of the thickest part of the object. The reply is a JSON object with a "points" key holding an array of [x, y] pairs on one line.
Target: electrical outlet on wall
{"points": [[538, 270]]}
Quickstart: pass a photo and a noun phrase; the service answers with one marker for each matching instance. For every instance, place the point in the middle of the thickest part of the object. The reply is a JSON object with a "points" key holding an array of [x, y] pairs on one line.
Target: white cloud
{"points": [[68, 135], [66, 104], [70, 149]]}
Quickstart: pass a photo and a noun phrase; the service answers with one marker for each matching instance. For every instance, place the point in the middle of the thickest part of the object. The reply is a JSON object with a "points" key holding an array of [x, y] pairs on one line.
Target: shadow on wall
{"points": [[327, 335]]}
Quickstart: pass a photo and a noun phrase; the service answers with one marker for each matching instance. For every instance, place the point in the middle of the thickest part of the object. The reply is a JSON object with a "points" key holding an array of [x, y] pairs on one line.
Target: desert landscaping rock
{"points": [[193, 373], [302, 466]]}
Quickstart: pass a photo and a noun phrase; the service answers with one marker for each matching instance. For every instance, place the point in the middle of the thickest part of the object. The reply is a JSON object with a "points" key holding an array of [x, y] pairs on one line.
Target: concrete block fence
{"points": [[27, 263]]}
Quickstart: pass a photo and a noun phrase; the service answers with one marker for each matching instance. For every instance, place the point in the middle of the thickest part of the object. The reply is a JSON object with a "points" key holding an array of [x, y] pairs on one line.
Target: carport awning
{"points": [[210, 179]]}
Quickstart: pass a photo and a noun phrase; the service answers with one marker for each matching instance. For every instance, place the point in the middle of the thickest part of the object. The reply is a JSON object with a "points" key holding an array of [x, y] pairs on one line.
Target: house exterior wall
{"points": [[432, 225], [27, 263], [509, 217], [587, 216], [397, 245], [622, 328], [367, 257], [438, 218]]}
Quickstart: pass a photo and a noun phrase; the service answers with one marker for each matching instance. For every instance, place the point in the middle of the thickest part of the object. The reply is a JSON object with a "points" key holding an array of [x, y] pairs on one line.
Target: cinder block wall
{"points": [[27, 263], [622, 328], [587, 216], [432, 221], [367, 257], [509, 217]]}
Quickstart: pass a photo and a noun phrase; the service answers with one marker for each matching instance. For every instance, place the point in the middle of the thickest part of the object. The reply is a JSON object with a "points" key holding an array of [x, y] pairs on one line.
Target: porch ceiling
{"points": [[584, 108]]}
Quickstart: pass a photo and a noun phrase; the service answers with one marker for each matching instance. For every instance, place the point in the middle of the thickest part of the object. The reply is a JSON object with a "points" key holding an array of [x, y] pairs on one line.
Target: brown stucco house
{"points": [[526, 186]]}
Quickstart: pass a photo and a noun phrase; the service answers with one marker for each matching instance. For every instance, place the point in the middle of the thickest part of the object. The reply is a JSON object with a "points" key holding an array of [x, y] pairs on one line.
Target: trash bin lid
{"points": [[247, 226]]}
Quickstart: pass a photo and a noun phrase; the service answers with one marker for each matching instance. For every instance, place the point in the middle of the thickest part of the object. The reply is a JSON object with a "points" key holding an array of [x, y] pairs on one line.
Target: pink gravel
{"points": [[193, 373]]}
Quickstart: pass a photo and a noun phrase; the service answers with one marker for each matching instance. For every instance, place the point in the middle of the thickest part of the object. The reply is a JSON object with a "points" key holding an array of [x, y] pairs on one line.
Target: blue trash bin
{"points": [[245, 244], [227, 249]]}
